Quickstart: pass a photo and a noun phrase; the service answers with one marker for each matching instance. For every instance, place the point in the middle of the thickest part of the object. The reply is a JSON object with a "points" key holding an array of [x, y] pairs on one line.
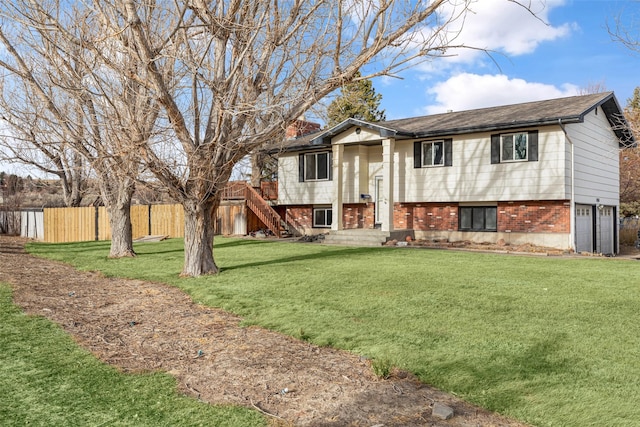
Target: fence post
{"points": [[149, 216]]}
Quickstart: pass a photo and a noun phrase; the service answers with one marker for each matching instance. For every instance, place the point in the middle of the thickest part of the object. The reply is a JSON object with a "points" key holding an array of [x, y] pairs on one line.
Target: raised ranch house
{"points": [[544, 173]]}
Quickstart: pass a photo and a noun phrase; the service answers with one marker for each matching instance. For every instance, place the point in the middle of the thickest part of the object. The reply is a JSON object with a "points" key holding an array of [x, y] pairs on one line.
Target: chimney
{"points": [[301, 127]]}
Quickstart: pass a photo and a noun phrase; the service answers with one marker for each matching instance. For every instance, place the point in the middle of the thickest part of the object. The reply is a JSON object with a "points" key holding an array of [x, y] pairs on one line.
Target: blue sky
{"points": [[532, 61]]}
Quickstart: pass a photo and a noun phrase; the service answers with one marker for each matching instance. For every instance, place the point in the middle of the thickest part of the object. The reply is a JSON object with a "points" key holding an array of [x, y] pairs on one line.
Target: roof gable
{"points": [[379, 128]]}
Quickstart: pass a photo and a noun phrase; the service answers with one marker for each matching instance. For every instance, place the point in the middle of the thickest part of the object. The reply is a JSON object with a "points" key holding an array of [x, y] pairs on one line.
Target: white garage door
{"points": [[606, 230], [584, 228]]}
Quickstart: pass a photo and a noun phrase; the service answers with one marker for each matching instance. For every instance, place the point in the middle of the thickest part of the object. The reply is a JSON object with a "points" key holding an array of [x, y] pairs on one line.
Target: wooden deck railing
{"points": [[235, 190], [263, 210]]}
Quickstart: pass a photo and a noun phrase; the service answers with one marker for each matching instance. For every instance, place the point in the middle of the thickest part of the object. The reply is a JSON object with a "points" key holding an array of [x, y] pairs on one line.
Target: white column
{"points": [[336, 206], [363, 172], [388, 146]]}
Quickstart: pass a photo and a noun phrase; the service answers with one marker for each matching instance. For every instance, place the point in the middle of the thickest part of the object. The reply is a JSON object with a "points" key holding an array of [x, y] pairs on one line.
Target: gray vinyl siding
{"points": [[596, 161]]}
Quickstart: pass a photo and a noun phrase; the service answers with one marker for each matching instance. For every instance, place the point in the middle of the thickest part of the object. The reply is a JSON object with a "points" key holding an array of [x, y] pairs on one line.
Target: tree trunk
{"points": [[256, 169], [198, 238], [121, 232]]}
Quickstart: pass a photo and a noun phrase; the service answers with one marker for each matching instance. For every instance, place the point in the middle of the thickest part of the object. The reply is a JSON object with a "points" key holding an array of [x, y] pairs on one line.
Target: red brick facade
{"points": [[357, 215], [534, 217], [300, 217], [360, 215], [426, 216], [513, 217]]}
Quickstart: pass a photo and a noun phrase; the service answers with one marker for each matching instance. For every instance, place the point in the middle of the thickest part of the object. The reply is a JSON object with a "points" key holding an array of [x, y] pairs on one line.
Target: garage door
{"points": [[606, 230], [584, 228]]}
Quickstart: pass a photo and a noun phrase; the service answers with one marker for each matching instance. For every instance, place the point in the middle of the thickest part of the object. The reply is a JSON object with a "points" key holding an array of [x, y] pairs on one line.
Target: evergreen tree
{"points": [[358, 100]]}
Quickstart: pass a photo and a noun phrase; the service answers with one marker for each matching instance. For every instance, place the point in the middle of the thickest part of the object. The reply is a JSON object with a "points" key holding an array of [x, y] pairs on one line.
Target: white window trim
{"points": [[326, 153], [422, 144], [325, 209], [502, 136]]}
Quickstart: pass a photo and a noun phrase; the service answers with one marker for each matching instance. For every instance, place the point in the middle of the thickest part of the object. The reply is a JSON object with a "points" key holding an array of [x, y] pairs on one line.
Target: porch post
{"points": [[336, 205], [386, 212]]}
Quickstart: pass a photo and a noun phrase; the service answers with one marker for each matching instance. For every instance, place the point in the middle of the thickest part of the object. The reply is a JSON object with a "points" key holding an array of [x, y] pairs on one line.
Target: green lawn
{"points": [[550, 341], [47, 380]]}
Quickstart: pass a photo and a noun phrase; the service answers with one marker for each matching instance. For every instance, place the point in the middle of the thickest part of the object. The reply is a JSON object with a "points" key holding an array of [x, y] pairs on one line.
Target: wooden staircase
{"points": [[262, 210]]}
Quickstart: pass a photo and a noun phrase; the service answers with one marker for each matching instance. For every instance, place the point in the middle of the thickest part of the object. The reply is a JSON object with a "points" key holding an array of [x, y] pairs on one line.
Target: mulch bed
{"points": [[140, 326]]}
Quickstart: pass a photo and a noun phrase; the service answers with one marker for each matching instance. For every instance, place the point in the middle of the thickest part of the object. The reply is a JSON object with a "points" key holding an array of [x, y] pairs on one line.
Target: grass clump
{"points": [[47, 380], [550, 341], [382, 367]]}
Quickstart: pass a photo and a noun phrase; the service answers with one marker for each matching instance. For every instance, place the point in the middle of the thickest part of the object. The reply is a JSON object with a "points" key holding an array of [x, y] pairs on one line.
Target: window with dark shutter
{"points": [[495, 149], [514, 147], [448, 152], [301, 167], [417, 154], [432, 153], [533, 146], [315, 167]]}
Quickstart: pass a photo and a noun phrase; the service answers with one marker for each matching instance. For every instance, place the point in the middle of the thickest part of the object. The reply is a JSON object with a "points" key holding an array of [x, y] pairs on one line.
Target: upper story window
{"points": [[432, 153], [514, 147], [315, 166]]}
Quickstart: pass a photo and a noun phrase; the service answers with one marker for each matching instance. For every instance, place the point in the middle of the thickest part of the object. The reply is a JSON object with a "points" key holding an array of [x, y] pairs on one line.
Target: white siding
{"points": [[596, 161], [293, 192], [350, 136], [473, 178]]}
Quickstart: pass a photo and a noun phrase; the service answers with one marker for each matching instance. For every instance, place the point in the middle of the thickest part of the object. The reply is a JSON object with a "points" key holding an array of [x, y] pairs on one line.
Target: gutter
{"points": [[572, 205]]}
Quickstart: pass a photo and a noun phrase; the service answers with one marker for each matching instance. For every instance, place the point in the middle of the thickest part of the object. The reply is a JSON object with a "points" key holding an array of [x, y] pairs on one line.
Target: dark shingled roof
{"points": [[539, 113]]}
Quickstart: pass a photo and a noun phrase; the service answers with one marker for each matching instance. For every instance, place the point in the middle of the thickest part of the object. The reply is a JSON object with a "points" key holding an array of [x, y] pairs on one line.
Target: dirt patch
{"points": [[142, 326]]}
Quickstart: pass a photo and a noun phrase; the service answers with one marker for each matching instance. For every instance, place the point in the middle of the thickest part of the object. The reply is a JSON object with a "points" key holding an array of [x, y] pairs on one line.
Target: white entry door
{"points": [[379, 199]]}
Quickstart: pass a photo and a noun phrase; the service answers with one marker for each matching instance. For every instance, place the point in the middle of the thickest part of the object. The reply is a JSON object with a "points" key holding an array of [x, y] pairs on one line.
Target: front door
{"points": [[379, 199]]}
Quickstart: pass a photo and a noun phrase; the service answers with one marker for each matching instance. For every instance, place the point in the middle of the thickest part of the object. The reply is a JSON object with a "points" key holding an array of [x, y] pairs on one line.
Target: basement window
{"points": [[478, 218], [322, 217]]}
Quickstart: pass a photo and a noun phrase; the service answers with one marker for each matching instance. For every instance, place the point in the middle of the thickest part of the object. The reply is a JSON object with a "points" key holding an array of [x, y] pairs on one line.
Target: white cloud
{"points": [[468, 91], [508, 27], [502, 26]]}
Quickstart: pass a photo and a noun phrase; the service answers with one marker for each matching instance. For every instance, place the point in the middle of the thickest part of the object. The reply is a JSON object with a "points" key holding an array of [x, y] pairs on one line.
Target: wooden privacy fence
{"points": [[92, 223]]}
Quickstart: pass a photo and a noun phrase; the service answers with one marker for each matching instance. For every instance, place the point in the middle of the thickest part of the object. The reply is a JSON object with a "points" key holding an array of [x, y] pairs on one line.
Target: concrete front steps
{"points": [[365, 237]]}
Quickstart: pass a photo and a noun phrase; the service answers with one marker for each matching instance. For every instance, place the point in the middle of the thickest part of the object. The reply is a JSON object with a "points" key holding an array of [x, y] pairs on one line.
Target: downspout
{"points": [[572, 204]]}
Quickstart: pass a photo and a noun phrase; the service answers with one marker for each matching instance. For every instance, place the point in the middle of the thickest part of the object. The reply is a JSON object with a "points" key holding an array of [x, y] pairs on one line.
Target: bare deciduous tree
{"points": [[19, 143], [75, 80], [251, 67]]}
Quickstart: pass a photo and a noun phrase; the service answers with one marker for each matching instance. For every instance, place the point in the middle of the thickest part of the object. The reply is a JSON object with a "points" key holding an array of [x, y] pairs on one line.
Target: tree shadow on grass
{"points": [[337, 252], [70, 247], [506, 379], [238, 242], [152, 249]]}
